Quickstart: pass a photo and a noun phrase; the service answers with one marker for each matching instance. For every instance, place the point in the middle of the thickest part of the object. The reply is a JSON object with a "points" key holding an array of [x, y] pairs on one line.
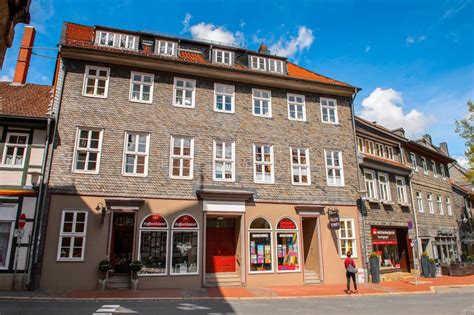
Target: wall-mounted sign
{"points": [[410, 224], [383, 236], [334, 220], [154, 221], [286, 224], [185, 222]]}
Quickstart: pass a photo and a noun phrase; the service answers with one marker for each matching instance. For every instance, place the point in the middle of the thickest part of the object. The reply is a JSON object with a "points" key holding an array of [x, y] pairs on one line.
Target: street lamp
{"points": [[103, 211]]}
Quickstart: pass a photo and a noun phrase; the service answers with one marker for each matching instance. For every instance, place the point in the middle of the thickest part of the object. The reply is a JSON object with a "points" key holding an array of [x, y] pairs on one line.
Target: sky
{"points": [[413, 60]]}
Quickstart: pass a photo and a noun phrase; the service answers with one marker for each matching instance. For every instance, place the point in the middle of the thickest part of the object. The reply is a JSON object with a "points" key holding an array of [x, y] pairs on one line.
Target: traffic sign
{"points": [[22, 221]]}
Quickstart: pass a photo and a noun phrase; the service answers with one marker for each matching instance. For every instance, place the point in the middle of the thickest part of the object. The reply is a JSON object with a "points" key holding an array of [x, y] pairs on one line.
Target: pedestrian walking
{"points": [[351, 272]]}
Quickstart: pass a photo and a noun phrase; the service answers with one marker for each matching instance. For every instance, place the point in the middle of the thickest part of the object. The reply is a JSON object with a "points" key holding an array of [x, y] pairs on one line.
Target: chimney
{"points": [[24, 55], [427, 138], [443, 146], [263, 49], [399, 132]]}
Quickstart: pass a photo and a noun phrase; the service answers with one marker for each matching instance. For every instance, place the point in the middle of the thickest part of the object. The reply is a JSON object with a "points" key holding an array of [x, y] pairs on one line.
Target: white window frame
{"points": [[353, 238], [223, 160], [419, 202], [159, 43], [260, 61], [340, 167], [108, 35], [9, 219], [263, 163], [425, 165], [196, 229], [434, 168], [439, 201], [296, 105], [306, 166], [224, 94], [369, 147], [272, 241], [72, 235], [136, 154], [401, 189], [159, 229], [389, 153], [360, 145], [379, 150], [429, 196], [387, 187], [184, 88], [287, 231], [96, 80], [443, 171], [329, 108], [374, 184], [182, 157], [87, 150], [223, 56], [15, 149], [141, 83], [127, 41], [413, 161], [275, 62], [261, 99], [448, 206]]}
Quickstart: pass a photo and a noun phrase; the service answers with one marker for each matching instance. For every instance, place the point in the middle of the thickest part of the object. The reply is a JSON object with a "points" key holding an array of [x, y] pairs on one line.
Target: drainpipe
{"points": [[360, 202]]}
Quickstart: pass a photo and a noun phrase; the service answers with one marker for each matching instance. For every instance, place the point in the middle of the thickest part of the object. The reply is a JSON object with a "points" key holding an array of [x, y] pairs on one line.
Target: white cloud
{"points": [[385, 107], [185, 22], [462, 160], [209, 31], [294, 45], [4, 78], [242, 24], [449, 13], [367, 48], [415, 40]]}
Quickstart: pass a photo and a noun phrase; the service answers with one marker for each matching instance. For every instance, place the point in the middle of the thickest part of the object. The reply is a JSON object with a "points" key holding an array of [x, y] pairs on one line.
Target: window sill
{"points": [[262, 116], [294, 119], [141, 102], [331, 123], [184, 106], [85, 172], [224, 111], [303, 184], [264, 183], [12, 166], [95, 96], [181, 178], [70, 260], [135, 175]]}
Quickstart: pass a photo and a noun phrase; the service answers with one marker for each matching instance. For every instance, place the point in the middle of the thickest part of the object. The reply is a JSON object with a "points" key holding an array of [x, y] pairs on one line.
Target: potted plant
{"points": [[104, 267], [425, 264], [374, 262], [432, 267], [135, 267]]}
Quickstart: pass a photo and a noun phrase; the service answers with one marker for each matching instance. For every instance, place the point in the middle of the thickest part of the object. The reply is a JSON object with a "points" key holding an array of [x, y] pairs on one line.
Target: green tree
{"points": [[464, 128]]}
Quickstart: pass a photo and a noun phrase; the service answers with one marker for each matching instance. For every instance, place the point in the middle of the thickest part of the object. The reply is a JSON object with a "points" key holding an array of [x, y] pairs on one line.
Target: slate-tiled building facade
{"points": [[211, 164]]}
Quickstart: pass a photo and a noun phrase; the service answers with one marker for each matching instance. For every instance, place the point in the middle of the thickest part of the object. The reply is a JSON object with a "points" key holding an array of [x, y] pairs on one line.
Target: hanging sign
{"points": [[286, 224], [154, 221], [384, 236], [185, 222], [334, 220]]}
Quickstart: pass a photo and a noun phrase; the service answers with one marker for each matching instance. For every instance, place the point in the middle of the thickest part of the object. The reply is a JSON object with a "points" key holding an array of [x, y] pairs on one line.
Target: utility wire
{"points": [[44, 56]]}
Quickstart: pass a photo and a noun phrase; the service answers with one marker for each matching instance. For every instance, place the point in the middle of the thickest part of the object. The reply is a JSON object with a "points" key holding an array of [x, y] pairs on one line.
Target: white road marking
{"points": [[112, 309]]}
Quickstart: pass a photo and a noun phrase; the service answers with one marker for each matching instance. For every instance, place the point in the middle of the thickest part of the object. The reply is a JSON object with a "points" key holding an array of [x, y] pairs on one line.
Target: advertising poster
{"points": [[260, 253]]}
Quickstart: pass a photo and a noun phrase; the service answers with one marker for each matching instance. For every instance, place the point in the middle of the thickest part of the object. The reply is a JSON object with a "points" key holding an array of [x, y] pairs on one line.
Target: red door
{"points": [[220, 249]]}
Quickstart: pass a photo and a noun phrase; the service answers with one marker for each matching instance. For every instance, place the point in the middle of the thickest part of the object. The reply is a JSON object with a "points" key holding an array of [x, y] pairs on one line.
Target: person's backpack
{"points": [[351, 268]]}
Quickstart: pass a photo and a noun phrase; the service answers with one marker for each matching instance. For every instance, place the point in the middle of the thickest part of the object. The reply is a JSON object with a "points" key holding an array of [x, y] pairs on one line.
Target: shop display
{"points": [[185, 252], [260, 252], [287, 251]]}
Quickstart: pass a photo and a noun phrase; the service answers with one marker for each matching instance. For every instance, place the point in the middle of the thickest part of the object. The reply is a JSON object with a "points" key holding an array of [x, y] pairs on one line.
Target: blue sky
{"points": [[414, 60]]}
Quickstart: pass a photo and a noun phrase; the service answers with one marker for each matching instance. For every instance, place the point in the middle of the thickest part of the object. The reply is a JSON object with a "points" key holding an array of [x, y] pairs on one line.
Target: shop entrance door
{"points": [[311, 250], [122, 241], [404, 249], [220, 245]]}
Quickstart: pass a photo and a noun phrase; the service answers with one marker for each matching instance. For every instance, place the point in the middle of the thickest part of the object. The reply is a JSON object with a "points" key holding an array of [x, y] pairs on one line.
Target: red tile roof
{"points": [[29, 100], [83, 36]]}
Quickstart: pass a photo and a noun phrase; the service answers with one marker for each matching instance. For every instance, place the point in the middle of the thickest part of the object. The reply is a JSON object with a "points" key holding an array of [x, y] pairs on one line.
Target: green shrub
{"points": [[105, 265], [136, 265]]}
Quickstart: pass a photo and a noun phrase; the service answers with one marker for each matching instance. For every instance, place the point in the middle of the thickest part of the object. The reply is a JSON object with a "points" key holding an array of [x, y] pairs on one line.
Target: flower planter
{"points": [[432, 269], [425, 266], [374, 262]]}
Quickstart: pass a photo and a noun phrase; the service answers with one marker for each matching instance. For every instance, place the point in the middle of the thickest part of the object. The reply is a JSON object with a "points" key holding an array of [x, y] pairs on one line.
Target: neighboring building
{"points": [[463, 202], [387, 208], [12, 12], [213, 165], [25, 122], [432, 193]]}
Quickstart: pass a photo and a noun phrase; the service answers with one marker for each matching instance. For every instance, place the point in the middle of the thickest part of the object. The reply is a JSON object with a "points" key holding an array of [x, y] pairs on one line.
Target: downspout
{"points": [[360, 203], [38, 211]]}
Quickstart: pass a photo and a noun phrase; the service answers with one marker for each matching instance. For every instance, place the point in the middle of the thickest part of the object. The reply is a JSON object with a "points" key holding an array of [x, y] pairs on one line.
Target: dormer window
{"points": [[275, 66], [258, 63], [116, 40], [223, 57], [166, 48]]}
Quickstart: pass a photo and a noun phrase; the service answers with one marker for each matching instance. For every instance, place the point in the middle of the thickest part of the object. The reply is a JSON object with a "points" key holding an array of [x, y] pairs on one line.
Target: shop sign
{"points": [[334, 220], [286, 224], [154, 221], [185, 222], [384, 236]]}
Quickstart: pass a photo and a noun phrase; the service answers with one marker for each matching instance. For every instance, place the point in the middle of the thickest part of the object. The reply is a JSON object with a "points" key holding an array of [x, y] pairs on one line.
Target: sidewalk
{"points": [[396, 287]]}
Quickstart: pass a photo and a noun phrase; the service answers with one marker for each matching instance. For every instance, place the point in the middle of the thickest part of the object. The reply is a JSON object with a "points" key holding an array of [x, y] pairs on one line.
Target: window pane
{"points": [[185, 252], [260, 252], [153, 252], [287, 251]]}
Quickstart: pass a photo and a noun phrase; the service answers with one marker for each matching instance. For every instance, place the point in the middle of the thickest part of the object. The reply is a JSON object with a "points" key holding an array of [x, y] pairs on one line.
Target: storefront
{"points": [[391, 245], [445, 248]]}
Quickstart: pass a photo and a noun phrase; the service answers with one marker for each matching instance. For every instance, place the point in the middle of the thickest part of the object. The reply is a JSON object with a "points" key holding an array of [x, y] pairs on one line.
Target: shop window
{"points": [[347, 240], [72, 237], [7, 223], [153, 245], [15, 149], [384, 242], [287, 245], [185, 236], [260, 240]]}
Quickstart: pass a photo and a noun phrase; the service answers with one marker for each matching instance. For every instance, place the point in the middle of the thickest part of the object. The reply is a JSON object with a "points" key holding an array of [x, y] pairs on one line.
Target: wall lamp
{"points": [[103, 211]]}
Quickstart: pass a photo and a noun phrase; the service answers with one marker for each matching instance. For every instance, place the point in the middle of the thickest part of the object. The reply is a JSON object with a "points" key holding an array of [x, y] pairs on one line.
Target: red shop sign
{"points": [[384, 236], [154, 221], [286, 224], [185, 222]]}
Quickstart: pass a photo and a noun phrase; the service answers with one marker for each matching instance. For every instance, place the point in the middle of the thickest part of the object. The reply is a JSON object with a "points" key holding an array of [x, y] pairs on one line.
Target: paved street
{"points": [[460, 302]]}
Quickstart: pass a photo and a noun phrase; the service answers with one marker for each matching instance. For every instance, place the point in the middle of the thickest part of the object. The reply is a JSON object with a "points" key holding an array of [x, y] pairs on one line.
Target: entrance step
{"points": [[118, 282], [395, 276], [223, 279], [311, 277]]}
